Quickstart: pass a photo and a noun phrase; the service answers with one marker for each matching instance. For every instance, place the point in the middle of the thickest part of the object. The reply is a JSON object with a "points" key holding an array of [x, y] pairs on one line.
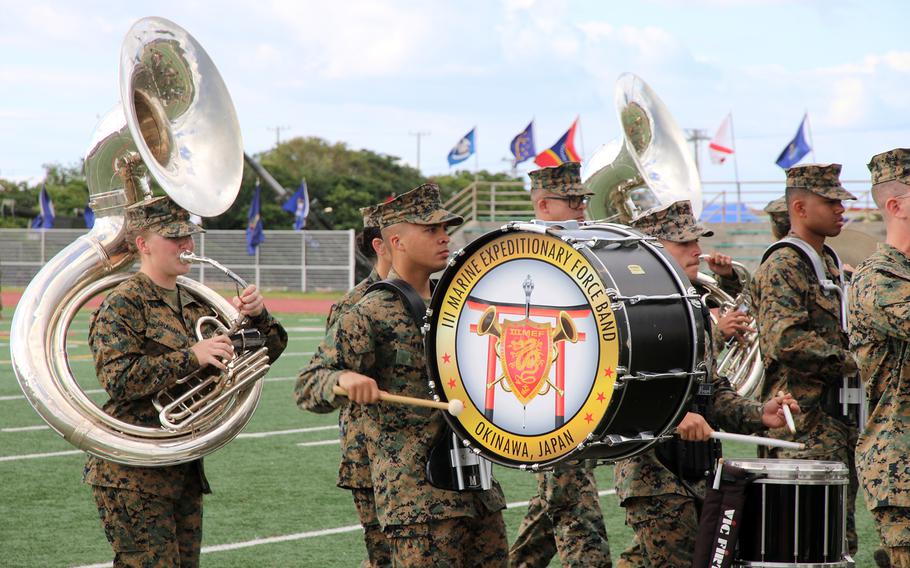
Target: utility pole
{"points": [[278, 130], [696, 135], [419, 134]]}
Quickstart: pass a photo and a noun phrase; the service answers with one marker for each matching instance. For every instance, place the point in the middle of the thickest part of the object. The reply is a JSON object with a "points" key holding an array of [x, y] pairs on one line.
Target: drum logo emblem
{"points": [[526, 348], [525, 356]]}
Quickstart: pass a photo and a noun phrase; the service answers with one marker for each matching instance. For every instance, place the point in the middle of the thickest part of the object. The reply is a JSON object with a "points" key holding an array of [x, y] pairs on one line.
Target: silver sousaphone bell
{"points": [[176, 124]]}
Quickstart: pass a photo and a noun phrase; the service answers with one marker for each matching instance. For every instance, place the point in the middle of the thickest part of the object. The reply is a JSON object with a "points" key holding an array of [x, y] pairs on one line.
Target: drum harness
{"points": [[450, 465], [847, 403]]}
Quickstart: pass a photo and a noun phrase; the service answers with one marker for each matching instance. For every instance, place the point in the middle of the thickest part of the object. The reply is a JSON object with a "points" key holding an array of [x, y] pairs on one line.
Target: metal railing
{"points": [[753, 196], [492, 201], [507, 201], [287, 260]]}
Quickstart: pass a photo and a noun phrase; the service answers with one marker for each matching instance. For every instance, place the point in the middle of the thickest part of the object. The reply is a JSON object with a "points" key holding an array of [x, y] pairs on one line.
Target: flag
{"points": [[797, 148], [522, 146], [463, 149], [45, 218], [721, 146], [299, 205], [89, 215], [254, 232], [562, 151]]}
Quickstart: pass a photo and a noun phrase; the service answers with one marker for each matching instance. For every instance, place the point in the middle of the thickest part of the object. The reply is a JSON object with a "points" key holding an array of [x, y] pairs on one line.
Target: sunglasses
{"points": [[574, 202]]}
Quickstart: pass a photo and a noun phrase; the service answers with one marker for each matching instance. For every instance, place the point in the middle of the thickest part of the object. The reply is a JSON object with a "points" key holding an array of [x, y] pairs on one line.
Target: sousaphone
{"points": [[651, 166], [175, 124]]}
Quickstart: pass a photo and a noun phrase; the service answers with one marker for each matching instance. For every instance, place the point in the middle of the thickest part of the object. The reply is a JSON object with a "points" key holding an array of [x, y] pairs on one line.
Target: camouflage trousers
{"points": [[563, 517], [147, 531], [893, 526], [451, 543], [665, 527], [379, 555], [828, 439]]}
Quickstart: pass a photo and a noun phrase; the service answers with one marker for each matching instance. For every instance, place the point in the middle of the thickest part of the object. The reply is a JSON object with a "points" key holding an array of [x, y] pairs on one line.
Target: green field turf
{"points": [[274, 503]]}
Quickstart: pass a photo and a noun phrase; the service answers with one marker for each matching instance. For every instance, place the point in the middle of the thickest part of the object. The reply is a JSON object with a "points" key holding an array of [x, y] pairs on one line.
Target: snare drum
{"points": [[564, 343], [794, 514]]}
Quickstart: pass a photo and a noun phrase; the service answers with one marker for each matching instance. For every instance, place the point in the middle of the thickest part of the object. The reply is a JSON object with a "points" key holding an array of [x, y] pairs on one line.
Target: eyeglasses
{"points": [[574, 202]]}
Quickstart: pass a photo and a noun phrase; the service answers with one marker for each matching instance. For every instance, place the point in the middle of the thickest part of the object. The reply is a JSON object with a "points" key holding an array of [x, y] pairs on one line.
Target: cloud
{"points": [[360, 38]]}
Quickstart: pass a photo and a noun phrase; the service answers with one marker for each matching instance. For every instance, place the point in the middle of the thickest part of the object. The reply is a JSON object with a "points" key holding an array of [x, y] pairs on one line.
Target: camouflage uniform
{"points": [[880, 336], [779, 217], [354, 470], [565, 514], [378, 338], [804, 349], [659, 507], [140, 338]]}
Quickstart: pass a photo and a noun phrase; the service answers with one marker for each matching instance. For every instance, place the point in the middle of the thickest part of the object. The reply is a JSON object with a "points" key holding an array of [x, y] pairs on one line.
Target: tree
{"points": [[339, 180]]}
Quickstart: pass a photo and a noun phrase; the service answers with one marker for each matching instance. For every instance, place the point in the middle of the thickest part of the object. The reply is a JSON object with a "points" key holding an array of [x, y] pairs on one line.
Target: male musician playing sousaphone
{"points": [[375, 348], [799, 316], [656, 487], [143, 341], [354, 471], [564, 515]]}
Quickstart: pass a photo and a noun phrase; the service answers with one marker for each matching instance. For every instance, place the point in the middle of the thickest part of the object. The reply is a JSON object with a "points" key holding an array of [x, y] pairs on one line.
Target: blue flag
{"points": [[299, 205], [45, 218], [255, 235], [463, 150], [89, 216], [522, 146], [797, 148]]}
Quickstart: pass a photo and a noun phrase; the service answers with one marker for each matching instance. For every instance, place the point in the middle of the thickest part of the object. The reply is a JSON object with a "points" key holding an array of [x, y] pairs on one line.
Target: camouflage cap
{"points": [[161, 215], [370, 216], [421, 206], [891, 165], [564, 179], [674, 222], [779, 205], [820, 179]]}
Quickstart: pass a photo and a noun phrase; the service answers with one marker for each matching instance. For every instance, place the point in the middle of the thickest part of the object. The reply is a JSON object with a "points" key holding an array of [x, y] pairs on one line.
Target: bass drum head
{"points": [[532, 327], [523, 333]]}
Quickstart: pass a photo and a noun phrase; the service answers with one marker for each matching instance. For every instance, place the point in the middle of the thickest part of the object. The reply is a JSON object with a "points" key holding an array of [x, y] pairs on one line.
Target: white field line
{"points": [[305, 535], [318, 443], [40, 456], [23, 429], [99, 391], [266, 434]]}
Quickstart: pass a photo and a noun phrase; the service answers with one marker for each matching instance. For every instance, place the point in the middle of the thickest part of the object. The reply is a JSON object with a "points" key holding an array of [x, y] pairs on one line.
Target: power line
{"points": [[696, 135], [278, 130]]}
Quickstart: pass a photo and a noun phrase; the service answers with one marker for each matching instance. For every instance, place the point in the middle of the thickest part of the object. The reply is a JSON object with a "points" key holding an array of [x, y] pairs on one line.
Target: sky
{"points": [[374, 73]]}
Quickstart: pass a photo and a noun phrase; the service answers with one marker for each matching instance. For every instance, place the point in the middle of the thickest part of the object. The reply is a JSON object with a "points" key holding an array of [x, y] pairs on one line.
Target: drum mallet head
{"points": [[456, 407]]}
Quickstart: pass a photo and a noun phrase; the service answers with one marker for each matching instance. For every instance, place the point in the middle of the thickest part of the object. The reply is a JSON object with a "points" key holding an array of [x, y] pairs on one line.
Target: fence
{"points": [[724, 201], [728, 201], [287, 260]]}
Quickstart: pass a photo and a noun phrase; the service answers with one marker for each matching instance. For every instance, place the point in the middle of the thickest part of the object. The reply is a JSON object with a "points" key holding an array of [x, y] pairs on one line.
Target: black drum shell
{"points": [[788, 511]]}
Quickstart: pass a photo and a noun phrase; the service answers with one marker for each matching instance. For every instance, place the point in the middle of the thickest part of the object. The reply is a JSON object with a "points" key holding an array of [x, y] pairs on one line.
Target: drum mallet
{"points": [[788, 416], [757, 440], [453, 407]]}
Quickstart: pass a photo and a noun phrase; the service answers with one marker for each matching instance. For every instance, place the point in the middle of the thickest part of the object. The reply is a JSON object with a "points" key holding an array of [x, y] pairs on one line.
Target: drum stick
{"points": [[788, 416], [757, 440], [453, 407]]}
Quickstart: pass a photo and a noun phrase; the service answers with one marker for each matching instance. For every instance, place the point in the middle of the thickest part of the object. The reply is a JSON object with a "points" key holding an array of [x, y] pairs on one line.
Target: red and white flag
{"points": [[721, 145]]}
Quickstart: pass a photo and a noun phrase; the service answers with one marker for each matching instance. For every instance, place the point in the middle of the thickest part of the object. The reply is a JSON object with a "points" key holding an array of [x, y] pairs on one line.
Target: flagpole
{"points": [[476, 157], [739, 202], [581, 137], [811, 140]]}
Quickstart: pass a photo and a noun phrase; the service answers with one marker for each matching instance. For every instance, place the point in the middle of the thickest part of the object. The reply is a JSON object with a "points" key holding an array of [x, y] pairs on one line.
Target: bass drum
{"points": [[564, 343]]}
